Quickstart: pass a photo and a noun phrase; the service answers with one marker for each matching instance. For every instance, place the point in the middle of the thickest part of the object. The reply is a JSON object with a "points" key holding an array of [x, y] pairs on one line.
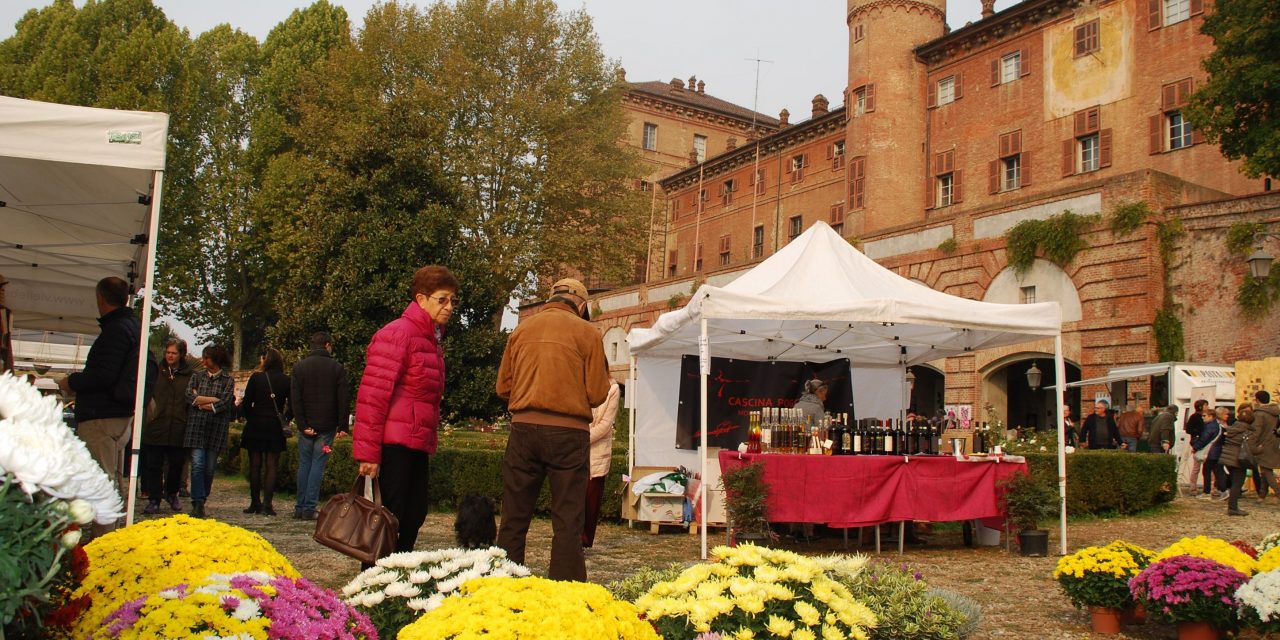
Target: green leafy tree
{"points": [[1239, 107]]}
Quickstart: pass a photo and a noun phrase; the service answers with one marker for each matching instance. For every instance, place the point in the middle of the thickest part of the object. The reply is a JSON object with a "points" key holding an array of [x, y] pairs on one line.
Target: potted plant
{"points": [[1259, 602], [1098, 578], [1197, 594], [1027, 501], [747, 502]]}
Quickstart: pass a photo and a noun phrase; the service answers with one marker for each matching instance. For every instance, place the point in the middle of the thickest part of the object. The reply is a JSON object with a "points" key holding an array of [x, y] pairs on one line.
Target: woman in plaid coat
{"points": [[211, 396]]}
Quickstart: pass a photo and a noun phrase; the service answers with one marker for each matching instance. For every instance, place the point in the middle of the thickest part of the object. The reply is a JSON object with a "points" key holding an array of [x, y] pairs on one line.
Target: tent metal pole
{"points": [[144, 340], [702, 484], [631, 423], [1060, 377]]}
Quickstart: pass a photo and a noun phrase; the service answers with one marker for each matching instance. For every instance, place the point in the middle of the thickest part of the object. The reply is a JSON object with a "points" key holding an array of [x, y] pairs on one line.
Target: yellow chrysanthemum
{"points": [[803, 634], [809, 615], [1270, 560], [780, 627], [1214, 549]]}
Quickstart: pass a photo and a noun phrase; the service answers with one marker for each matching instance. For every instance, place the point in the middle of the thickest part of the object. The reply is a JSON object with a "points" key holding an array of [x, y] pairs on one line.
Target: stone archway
{"points": [[1005, 387], [1043, 282]]}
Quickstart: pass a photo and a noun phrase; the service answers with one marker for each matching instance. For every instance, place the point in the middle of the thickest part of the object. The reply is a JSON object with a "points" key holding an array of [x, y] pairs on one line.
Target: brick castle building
{"points": [[945, 142]]}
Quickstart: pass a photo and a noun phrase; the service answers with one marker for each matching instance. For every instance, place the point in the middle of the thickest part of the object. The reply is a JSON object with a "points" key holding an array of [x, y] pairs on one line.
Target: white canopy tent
{"points": [[79, 201], [818, 298]]}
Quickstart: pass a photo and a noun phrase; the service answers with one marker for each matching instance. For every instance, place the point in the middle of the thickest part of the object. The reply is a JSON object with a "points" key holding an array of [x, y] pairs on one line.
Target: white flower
{"points": [[435, 601], [42, 454], [170, 594], [71, 538], [81, 511], [246, 610], [373, 598], [419, 577], [1262, 594], [419, 604]]}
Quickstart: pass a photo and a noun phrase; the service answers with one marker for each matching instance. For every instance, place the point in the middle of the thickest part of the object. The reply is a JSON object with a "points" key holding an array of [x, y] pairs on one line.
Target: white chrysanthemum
{"points": [[1262, 594], [42, 454], [419, 577], [246, 610], [373, 598], [418, 604], [435, 601]]}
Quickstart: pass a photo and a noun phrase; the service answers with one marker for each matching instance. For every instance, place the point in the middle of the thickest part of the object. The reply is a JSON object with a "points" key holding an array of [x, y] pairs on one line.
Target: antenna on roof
{"points": [[755, 170]]}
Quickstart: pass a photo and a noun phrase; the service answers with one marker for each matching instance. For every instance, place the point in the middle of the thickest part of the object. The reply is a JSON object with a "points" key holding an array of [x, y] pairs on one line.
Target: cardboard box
{"points": [[661, 507], [631, 501]]}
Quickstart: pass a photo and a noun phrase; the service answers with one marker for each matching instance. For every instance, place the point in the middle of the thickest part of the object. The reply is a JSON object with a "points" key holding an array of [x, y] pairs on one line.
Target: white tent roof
{"points": [[819, 298], [76, 185]]}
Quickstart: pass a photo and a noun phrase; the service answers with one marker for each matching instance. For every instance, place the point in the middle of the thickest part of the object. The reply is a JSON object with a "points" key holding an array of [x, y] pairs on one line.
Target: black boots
{"points": [[197, 509]]}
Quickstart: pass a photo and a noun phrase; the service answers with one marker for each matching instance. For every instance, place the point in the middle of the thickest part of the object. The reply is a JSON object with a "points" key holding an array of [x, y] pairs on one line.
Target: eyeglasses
{"points": [[447, 300]]}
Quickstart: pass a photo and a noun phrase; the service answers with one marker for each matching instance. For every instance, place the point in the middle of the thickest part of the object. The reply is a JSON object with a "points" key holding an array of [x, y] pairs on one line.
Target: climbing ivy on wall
{"points": [[1058, 237], [1127, 217]]}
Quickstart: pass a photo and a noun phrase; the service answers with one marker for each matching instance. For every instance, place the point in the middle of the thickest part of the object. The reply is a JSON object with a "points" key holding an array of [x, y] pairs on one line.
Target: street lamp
{"points": [[1260, 261], [1033, 377], [911, 381]]}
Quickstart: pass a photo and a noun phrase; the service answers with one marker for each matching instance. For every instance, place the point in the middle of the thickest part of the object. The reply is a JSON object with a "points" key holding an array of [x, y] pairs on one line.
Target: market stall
{"points": [[79, 201], [818, 298]]}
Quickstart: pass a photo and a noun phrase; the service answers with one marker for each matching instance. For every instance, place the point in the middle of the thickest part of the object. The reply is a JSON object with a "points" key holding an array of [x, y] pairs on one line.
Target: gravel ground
{"points": [[1018, 595]]}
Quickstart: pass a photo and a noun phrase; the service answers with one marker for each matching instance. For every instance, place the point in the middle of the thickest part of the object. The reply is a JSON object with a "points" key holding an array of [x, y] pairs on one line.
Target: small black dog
{"points": [[476, 526]]}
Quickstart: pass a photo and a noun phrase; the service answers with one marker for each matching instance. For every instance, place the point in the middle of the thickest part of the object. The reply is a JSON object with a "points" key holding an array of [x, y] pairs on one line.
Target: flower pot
{"points": [[1033, 543], [758, 539], [1197, 631], [1135, 615], [1105, 620]]}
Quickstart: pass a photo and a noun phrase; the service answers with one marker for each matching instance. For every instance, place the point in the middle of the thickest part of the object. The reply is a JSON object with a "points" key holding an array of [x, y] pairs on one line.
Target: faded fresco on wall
{"points": [[1100, 77]]}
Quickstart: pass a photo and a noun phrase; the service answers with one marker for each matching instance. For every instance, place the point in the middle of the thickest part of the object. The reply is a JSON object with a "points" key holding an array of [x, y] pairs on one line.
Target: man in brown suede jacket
{"points": [[553, 371]]}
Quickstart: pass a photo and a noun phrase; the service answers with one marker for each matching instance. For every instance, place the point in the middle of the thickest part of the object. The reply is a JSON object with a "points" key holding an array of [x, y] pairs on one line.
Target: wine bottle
{"points": [[890, 436]]}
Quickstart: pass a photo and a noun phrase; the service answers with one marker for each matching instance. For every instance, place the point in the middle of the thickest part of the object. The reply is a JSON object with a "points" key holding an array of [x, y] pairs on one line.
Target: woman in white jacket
{"points": [[602, 418]]}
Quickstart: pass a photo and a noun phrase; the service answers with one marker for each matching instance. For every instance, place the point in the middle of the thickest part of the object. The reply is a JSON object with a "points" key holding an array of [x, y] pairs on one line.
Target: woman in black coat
{"points": [[165, 426], [264, 410]]}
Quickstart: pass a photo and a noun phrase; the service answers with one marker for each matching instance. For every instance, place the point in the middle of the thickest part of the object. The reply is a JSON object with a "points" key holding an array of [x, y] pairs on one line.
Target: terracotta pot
{"points": [[1197, 631], [1105, 620], [1136, 615]]}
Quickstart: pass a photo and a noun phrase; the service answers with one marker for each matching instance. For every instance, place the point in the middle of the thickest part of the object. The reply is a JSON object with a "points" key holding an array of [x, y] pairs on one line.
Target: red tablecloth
{"points": [[858, 491]]}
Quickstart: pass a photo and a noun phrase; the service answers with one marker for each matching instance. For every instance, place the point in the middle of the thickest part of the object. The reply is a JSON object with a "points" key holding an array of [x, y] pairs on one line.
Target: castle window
{"points": [[864, 99], [1010, 67], [700, 146], [1010, 171], [1179, 130], [1169, 128], [672, 255], [944, 193], [646, 186], [859, 32], [650, 136], [1090, 148], [758, 181], [757, 241], [796, 166], [726, 192], [946, 189], [857, 182], [1089, 153], [1027, 295], [697, 257], [795, 226], [947, 90], [837, 218], [724, 250], [836, 153], [1086, 38], [1176, 11]]}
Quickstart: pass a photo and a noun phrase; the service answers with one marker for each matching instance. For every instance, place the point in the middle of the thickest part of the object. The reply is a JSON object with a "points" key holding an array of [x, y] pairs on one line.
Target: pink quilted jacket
{"points": [[399, 397]]}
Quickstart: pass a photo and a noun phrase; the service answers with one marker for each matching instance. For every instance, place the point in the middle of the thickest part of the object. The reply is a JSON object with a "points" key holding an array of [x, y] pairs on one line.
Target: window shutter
{"points": [[1155, 140], [831, 150], [1025, 178], [949, 162], [1184, 92], [956, 193], [1081, 124], [995, 71], [869, 103], [760, 182], [790, 164], [1024, 62], [1080, 40], [1068, 157], [993, 176], [1168, 96], [1015, 142], [1153, 14], [932, 97], [1004, 145], [958, 87], [1104, 148], [937, 164], [1093, 119], [1197, 7]]}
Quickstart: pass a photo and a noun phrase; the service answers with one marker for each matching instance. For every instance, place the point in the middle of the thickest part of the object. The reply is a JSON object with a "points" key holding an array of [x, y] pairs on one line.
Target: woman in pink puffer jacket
{"points": [[398, 404]]}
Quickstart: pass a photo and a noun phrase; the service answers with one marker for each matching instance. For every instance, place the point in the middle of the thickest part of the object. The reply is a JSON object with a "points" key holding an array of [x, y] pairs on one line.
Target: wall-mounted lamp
{"points": [[1033, 377]]}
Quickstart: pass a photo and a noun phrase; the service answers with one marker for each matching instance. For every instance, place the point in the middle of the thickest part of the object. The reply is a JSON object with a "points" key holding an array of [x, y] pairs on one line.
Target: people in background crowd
{"points": [[1099, 430], [1264, 444], [165, 430], [1231, 458], [105, 388], [398, 405], [1072, 432], [6, 330], [320, 403], [1193, 427], [266, 415], [1160, 440], [553, 372], [211, 399], [1213, 475], [1132, 426], [811, 402], [602, 419]]}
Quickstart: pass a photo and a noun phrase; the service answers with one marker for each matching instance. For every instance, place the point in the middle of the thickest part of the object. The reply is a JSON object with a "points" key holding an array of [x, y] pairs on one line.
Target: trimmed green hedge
{"points": [[1110, 482], [454, 474]]}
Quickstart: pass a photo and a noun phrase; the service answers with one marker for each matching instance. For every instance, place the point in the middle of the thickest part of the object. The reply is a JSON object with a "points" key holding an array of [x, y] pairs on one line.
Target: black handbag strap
{"points": [[274, 405], [357, 488]]}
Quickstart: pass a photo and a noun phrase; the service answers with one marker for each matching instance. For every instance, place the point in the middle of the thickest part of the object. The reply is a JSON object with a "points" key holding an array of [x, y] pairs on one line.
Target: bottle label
{"points": [[888, 444]]}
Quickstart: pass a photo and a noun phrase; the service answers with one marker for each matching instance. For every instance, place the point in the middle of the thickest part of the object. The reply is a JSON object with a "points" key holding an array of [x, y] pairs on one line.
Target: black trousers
{"points": [[155, 481], [1214, 475], [1237, 485], [563, 455], [403, 477]]}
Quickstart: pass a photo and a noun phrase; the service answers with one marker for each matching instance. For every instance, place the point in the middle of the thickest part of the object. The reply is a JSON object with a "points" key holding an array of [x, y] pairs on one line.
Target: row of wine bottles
{"points": [[787, 430]]}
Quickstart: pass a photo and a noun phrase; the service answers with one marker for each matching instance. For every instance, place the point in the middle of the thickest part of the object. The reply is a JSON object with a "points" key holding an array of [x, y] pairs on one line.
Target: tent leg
{"points": [[144, 340], [702, 484], [1060, 377], [631, 425]]}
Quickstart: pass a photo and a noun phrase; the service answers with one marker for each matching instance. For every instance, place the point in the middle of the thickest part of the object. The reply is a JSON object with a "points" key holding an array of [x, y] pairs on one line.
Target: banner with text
{"points": [[738, 387]]}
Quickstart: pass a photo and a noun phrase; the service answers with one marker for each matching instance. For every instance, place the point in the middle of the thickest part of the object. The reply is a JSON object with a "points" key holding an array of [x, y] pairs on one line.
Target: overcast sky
{"points": [[716, 40]]}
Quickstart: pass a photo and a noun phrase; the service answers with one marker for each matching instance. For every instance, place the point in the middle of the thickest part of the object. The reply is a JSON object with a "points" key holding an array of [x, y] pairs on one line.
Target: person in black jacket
{"points": [[320, 409], [1099, 430], [104, 407], [265, 415], [165, 426]]}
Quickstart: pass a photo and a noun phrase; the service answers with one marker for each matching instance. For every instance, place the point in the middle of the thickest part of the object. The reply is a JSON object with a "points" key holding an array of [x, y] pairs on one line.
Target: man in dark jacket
{"points": [[1161, 437], [1099, 429], [104, 407], [318, 395], [553, 372], [1264, 443]]}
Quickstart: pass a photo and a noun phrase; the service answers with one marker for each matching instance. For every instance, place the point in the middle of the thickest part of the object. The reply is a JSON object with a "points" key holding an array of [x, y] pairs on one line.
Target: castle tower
{"points": [[887, 111]]}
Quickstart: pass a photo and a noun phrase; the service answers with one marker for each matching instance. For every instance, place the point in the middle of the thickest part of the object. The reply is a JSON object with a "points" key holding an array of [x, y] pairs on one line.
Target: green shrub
{"points": [[637, 584], [966, 606], [1109, 482], [904, 607]]}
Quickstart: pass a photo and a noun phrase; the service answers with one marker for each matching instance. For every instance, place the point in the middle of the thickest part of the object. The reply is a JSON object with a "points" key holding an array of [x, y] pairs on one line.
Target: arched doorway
{"points": [[928, 391], [1009, 392]]}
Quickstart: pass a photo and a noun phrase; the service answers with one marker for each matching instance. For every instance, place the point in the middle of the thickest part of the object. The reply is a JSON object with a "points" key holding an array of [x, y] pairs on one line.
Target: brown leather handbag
{"points": [[356, 526]]}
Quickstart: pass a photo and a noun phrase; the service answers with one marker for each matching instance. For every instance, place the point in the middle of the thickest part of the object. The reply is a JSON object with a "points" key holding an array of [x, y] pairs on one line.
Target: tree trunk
{"points": [[237, 341]]}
